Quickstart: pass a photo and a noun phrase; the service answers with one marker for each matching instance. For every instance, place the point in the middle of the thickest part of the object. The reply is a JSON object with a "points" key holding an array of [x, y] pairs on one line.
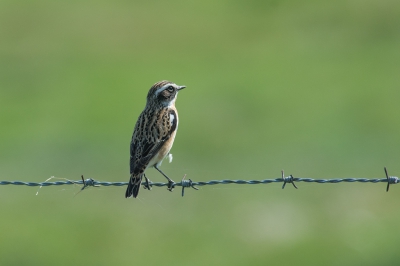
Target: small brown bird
{"points": [[154, 134]]}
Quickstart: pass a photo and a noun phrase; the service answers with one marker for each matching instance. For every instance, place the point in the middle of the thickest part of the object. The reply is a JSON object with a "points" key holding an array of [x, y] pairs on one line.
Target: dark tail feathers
{"points": [[133, 186]]}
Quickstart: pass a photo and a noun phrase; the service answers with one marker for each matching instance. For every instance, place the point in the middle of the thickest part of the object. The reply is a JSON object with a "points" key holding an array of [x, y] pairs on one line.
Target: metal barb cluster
{"points": [[390, 180], [186, 183], [288, 179], [88, 183]]}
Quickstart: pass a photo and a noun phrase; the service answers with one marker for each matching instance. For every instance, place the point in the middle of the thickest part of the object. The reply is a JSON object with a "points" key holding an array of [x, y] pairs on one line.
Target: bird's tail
{"points": [[133, 186]]}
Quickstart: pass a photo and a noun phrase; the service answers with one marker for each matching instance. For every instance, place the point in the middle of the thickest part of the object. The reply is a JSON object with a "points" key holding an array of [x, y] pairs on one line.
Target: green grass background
{"points": [[311, 87]]}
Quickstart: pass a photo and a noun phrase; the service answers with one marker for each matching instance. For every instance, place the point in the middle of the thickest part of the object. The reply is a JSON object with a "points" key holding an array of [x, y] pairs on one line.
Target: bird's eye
{"points": [[170, 89]]}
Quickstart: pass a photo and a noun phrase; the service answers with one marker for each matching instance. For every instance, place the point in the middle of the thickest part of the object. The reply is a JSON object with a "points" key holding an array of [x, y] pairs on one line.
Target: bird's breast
{"points": [[163, 152]]}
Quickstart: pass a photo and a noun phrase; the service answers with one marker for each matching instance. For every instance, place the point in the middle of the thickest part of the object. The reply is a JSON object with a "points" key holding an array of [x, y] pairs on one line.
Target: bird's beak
{"points": [[181, 88]]}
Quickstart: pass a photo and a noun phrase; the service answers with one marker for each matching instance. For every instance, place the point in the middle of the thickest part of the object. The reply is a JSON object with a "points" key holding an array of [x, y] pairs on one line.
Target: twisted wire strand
{"points": [[187, 183], [200, 183]]}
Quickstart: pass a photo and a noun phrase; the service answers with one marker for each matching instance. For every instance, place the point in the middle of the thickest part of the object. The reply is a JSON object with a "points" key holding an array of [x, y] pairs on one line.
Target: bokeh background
{"points": [[311, 87]]}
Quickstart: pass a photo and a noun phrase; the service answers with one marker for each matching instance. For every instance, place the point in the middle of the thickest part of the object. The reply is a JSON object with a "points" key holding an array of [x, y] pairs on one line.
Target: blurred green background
{"points": [[311, 87]]}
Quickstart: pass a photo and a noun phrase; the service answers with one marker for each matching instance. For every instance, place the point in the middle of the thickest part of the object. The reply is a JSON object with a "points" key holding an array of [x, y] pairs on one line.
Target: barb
{"points": [[390, 179], [288, 179], [189, 183], [88, 183]]}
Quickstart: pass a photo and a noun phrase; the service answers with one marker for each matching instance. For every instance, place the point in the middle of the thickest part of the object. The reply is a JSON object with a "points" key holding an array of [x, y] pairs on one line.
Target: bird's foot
{"points": [[171, 185], [146, 185]]}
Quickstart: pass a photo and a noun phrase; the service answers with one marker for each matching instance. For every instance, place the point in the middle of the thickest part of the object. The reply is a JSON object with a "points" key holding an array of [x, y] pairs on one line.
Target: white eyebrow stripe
{"points": [[164, 87]]}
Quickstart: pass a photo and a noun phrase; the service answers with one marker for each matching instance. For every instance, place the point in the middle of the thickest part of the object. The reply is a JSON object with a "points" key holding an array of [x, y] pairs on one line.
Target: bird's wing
{"points": [[146, 144]]}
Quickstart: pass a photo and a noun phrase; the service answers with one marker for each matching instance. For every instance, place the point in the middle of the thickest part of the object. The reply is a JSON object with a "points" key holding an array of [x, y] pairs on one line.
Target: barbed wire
{"points": [[186, 183]]}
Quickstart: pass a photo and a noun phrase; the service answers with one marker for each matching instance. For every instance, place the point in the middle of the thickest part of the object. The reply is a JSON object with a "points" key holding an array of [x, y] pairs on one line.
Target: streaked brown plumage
{"points": [[154, 133]]}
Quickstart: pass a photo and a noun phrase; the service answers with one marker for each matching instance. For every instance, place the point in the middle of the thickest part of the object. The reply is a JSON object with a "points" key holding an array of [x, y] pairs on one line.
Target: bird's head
{"points": [[163, 93]]}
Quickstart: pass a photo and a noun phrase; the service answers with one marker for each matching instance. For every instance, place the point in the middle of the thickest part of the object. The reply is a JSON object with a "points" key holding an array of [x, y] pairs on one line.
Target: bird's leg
{"points": [[171, 183], [147, 184]]}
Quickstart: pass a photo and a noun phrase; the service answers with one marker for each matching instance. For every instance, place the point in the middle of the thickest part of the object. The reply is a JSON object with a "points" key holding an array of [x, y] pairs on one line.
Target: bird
{"points": [[153, 135]]}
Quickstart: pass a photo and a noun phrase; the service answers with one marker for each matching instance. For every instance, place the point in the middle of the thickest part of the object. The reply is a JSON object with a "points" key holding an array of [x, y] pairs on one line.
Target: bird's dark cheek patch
{"points": [[165, 94]]}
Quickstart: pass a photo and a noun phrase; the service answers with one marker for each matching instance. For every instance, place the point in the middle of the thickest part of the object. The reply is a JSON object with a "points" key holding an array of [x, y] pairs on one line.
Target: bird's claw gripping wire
{"points": [[171, 185], [147, 184]]}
